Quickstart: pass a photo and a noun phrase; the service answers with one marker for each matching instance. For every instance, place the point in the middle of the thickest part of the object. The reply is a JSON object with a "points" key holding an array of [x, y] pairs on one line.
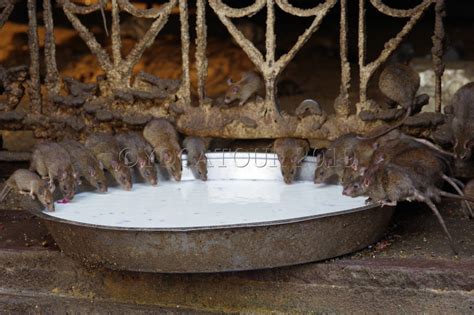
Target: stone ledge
{"points": [[404, 285]]}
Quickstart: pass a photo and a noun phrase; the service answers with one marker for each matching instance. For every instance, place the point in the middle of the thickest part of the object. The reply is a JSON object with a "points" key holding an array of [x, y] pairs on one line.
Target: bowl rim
{"points": [[46, 216]]}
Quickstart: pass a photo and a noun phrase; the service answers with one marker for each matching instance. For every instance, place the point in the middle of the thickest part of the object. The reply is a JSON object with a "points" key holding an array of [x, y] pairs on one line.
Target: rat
{"points": [[196, 148], [399, 82], [28, 183], [348, 156], [163, 137], [242, 90], [107, 151], [392, 183], [335, 159], [52, 161], [85, 164], [412, 176], [137, 151], [432, 165], [290, 152], [462, 122]]}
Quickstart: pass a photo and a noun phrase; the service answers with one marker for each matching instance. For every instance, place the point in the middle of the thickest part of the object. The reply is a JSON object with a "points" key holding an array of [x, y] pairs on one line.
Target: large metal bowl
{"points": [[227, 247]]}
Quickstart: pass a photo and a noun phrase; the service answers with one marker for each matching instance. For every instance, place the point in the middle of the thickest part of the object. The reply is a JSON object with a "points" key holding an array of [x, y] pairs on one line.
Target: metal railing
{"points": [[259, 119]]}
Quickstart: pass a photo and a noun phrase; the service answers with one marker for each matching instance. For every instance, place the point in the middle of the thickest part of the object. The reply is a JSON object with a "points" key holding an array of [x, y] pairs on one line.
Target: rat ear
{"points": [[92, 171], [355, 163], [329, 161], [126, 160], [235, 89], [101, 165], [366, 181], [152, 157], [348, 159], [63, 175], [115, 165], [166, 156], [380, 159], [141, 162], [229, 82]]}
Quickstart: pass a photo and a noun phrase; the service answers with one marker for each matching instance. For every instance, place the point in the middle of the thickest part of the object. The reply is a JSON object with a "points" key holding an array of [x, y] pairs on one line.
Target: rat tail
{"points": [[104, 20], [396, 126], [443, 224], [5, 191], [454, 196], [434, 147], [452, 182]]}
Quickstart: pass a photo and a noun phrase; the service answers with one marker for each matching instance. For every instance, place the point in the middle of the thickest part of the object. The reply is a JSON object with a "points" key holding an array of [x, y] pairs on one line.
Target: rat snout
{"points": [[288, 177], [177, 177], [288, 180], [102, 188], [347, 191], [203, 175], [70, 195]]}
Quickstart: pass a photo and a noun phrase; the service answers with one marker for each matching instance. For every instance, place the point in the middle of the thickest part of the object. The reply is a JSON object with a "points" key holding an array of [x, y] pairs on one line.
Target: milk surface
{"points": [[193, 203]]}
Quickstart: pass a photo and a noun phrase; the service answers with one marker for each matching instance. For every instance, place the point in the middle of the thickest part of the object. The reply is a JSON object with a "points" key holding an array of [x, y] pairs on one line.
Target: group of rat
{"points": [[388, 166], [69, 161]]}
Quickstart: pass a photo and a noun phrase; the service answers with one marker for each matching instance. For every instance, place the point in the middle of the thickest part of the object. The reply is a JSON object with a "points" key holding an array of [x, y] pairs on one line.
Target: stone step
{"points": [[30, 277]]}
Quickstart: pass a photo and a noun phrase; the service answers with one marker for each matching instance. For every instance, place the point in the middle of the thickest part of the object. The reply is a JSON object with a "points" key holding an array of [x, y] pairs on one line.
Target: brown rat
{"points": [[290, 152], [411, 179], [196, 148], [348, 156], [26, 182], [106, 150], [392, 183], [243, 89], [136, 151], [85, 164], [163, 137], [462, 123], [52, 161], [336, 158], [432, 166], [400, 83]]}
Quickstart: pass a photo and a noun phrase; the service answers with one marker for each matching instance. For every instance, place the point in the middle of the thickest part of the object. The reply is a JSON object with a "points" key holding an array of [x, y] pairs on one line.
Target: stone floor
{"points": [[411, 270]]}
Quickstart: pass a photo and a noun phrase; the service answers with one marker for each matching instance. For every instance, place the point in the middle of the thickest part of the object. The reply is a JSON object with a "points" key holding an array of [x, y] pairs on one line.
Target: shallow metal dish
{"points": [[227, 247]]}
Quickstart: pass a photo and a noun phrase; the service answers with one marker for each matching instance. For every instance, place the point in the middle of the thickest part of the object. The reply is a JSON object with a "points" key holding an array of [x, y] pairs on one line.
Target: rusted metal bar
{"points": [[116, 41], [201, 44], [148, 39], [319, 12], [363, 81], [70, 10], [34, 86], [270, 37], [438, 51], [225, 12], [185, 78], [7, 10], [52, 75], [342, 105]]}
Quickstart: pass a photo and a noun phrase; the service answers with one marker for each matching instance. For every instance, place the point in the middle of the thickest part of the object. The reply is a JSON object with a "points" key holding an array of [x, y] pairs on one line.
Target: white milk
{"points": [[193, 203]]}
